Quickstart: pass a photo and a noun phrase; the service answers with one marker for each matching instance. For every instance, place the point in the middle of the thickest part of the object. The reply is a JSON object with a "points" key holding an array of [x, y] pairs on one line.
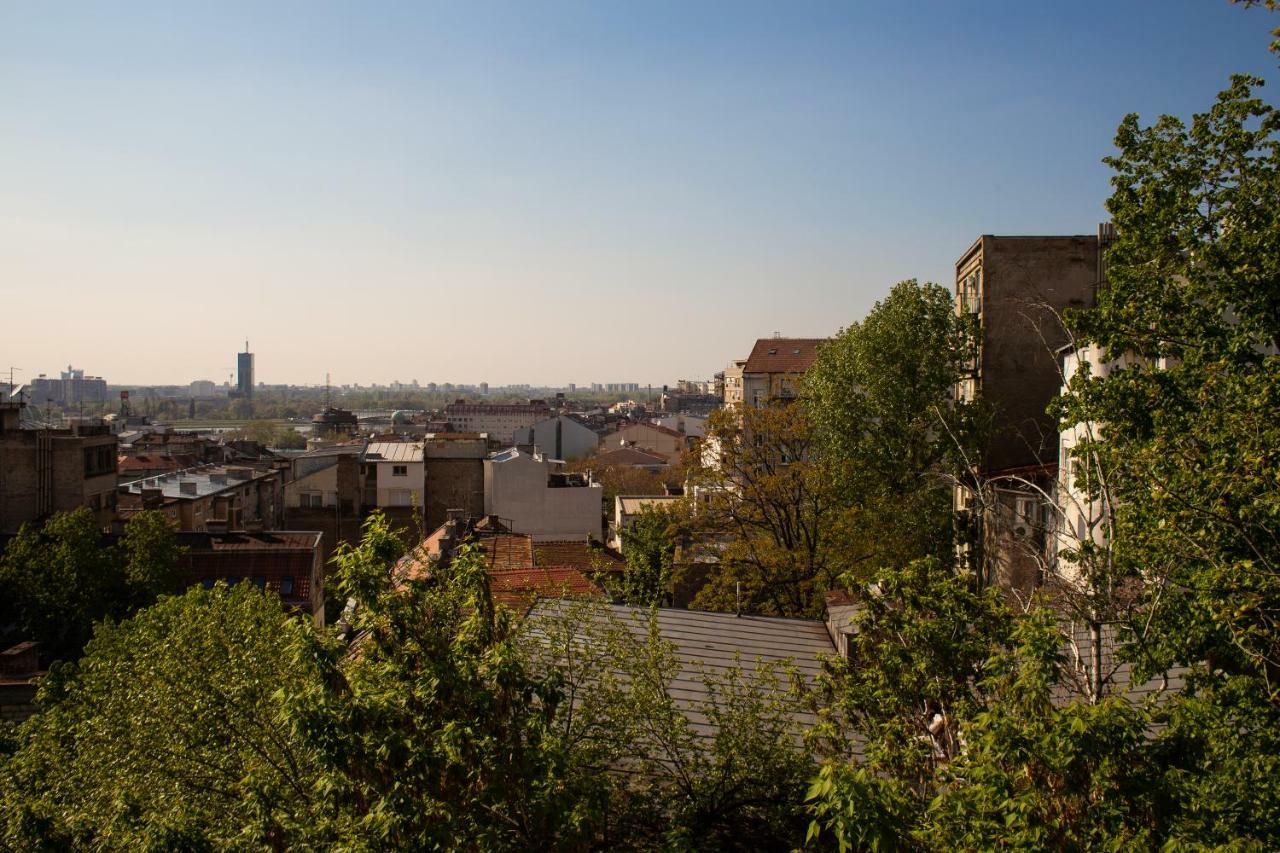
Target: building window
{"points": [[1026, 509], [286, 585], [399, 470], [260, 582]]}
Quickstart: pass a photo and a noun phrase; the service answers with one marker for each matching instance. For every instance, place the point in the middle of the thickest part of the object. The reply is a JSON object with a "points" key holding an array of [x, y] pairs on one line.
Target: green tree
{"points": [[1187, 423], [888, 430], [921, 645], [649, 545], [151, 555], [767, 503], [61, 578], [433, 732], [626, 724], [168, 734]]}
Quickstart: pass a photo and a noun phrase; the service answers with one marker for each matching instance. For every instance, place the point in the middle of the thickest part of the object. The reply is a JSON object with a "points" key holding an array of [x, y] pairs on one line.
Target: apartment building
{"points": [[290, 563], [393, 474], [1016, 289], [533, 494], [499, 421], [226, 497], [651, 437], [771, 373], [453, 465], [43, 471], [562, 437]]}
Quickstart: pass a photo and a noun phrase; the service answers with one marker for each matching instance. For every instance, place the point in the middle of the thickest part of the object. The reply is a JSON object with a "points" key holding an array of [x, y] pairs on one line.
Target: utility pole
{"points": [[9, 393]]}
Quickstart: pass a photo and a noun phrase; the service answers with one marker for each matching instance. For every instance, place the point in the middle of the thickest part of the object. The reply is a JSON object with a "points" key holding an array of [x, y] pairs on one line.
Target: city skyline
{"points": [[510, 195]]}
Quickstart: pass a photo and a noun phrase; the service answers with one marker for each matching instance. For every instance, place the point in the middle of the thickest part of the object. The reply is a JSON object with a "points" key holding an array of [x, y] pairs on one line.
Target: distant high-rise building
{"points": [[244, 372], [72, 388], [484, 387]]}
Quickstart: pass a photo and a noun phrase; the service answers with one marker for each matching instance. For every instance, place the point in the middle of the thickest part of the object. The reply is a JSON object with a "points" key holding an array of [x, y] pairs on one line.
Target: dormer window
{"points": [[773, 352]]}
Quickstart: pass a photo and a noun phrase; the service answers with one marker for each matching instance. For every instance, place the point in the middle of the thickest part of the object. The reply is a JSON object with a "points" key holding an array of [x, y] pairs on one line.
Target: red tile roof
{"points": [[519, 588], [583, 556], [156, 462], [782, 355]]}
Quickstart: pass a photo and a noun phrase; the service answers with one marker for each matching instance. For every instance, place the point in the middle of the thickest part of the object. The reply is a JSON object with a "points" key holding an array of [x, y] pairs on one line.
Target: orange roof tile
{"points": [[582, 556], [518, 589], [782, 355]]}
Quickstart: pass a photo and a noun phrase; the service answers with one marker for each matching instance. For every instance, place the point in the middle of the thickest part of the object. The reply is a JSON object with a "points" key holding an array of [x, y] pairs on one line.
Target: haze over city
{"points": [[535, 193]]}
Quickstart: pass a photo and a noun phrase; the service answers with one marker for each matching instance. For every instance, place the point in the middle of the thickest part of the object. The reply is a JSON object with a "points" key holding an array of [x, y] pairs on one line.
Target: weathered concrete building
{"points": [[1016, 289], [43, 471], [530, 493], [324, 493], [393, 474], [223, 497], [668, 443], [454, 471], [561, 437], [290, 563]]}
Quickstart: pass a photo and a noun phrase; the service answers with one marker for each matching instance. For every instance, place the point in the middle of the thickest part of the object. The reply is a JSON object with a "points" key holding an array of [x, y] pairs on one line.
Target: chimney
{"points": [[152, 498]]}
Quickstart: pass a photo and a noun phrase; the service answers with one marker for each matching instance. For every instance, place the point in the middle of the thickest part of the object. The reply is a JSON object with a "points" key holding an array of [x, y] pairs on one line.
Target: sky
{"points": [[543, 192]]}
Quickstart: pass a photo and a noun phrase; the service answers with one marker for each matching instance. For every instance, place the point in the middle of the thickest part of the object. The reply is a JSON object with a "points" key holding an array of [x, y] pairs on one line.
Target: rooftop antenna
{"points": [[9, 392], [246, 344], [327, 404]]}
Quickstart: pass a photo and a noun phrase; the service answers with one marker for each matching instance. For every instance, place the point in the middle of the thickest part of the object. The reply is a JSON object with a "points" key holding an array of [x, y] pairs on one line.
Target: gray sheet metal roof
{"points": [[393, 451], [712, 643], [632, 504]]}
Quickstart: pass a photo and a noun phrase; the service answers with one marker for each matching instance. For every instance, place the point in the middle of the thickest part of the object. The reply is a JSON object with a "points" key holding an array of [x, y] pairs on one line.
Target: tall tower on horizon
{"points": [[244, 372]]}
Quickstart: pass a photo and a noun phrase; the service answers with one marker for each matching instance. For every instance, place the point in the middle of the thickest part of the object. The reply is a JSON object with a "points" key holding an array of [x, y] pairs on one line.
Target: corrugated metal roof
{"points": [[632, 505], [707, 645], [393, 451], [629, 456]]}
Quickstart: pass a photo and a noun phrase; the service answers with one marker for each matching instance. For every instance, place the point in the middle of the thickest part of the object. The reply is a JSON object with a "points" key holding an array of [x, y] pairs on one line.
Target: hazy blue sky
{"points": [[542, 192]]}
